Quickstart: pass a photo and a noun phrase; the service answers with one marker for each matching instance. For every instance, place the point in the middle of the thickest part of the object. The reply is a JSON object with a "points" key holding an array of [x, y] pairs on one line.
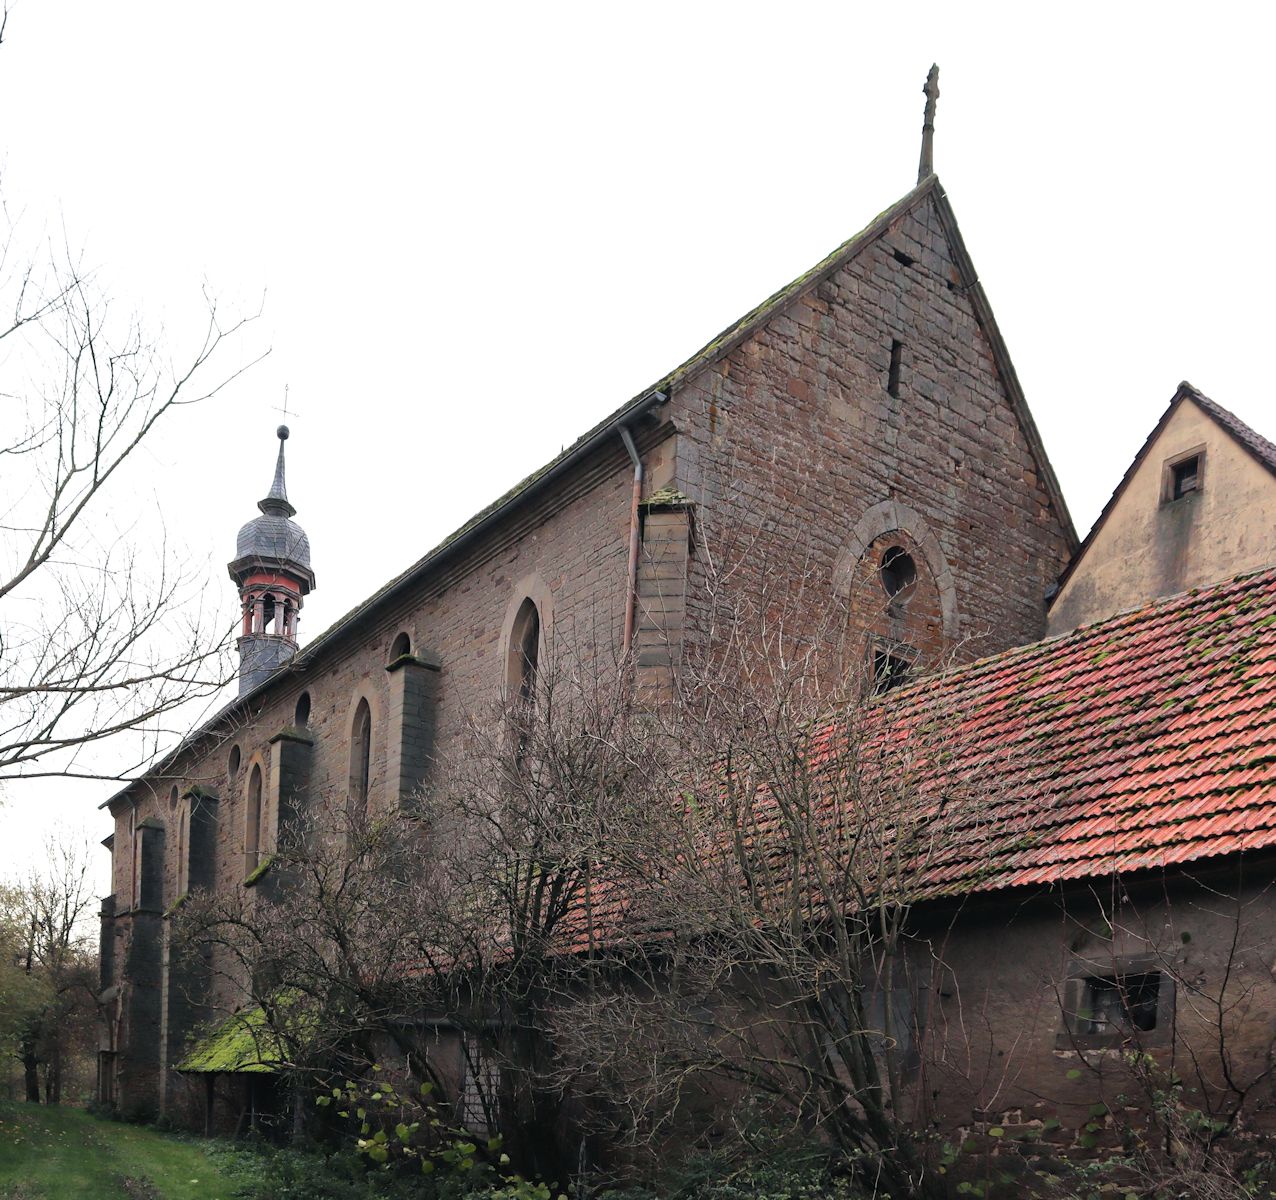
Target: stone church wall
{"points": [[796, 434]]}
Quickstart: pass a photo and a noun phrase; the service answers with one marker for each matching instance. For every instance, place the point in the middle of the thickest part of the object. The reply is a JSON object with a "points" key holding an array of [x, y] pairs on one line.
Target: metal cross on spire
{"points": [[285, 410], [931, 91]]}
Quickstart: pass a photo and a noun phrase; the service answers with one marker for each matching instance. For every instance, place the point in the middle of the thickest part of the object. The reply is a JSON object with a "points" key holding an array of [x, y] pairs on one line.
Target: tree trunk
{"points": [[31, 1074]]}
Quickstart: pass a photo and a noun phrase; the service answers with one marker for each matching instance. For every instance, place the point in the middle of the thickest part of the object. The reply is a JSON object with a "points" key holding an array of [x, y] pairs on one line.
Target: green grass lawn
{"points": [[66, 1154]]}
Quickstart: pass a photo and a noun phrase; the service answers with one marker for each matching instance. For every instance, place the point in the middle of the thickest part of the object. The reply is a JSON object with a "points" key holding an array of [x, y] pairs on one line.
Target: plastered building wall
{"points": [[1150, 546], [997, 1049]]}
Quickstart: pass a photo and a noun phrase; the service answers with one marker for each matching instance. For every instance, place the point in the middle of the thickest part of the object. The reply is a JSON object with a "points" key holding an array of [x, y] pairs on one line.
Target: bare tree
{"points": [[385, 933], [634, 911], [97, 638], [53, 908]]}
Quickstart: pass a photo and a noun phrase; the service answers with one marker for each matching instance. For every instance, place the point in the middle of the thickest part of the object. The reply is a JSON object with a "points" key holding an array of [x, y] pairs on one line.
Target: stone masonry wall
{"points": [[795, 435], [573, 562]]}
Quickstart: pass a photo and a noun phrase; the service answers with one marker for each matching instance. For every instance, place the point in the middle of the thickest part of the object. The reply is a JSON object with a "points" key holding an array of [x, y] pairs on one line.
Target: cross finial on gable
{"points": [[931, 91]]}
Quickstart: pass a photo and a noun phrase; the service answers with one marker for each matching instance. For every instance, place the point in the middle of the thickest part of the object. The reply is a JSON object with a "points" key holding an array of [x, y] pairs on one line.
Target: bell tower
{"points": [[272, 571]]}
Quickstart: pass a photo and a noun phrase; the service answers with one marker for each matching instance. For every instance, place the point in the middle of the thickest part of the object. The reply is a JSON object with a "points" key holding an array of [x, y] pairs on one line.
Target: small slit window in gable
{"points": [[892, 376]]}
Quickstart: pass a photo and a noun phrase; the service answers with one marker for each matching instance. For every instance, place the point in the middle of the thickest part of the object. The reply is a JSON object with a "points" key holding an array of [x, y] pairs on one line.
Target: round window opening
{"points": [[234, 760], [898, 570], [301, 718]]}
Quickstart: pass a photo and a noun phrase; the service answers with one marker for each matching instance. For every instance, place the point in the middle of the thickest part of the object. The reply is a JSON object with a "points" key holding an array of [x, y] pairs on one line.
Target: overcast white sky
{"points": [[481, 227]]}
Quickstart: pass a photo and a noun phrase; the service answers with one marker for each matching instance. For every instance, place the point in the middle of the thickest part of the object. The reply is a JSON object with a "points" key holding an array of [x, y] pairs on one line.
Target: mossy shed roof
{"points": [[244, 1043]]}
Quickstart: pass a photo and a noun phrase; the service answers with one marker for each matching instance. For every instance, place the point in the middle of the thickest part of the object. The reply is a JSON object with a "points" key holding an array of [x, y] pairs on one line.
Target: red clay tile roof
{"points": [[1144, 741]]}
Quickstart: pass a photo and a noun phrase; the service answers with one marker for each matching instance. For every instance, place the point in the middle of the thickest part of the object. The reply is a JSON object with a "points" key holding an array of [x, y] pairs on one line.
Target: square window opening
{"points": [[1185, 477], [890, 670], [1120, 1004]]}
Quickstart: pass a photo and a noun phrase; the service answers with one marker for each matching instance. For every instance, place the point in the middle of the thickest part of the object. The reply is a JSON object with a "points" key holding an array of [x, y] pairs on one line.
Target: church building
{"points": [[862, 430]]}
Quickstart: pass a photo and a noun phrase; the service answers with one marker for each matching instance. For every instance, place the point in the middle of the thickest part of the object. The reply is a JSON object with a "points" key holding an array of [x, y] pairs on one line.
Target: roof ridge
{"points": [[1261, 447]]}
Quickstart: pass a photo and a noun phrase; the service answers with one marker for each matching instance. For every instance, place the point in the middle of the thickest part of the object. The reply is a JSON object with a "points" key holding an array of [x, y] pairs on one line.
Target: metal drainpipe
{"points": [[631, 597]]}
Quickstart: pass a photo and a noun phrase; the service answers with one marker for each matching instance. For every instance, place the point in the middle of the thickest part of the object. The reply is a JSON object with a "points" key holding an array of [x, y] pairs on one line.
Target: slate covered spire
{"points": [[272, 570], [277, 502]]}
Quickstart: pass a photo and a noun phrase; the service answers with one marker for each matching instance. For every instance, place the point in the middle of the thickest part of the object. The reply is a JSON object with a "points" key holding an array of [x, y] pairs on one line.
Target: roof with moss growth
{"points": [[244, 1043], [1142, 742]]}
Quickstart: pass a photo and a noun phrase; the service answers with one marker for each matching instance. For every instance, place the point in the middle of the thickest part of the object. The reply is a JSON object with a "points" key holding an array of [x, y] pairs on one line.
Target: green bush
{"points": [[776, 1167], [271, 1173]]}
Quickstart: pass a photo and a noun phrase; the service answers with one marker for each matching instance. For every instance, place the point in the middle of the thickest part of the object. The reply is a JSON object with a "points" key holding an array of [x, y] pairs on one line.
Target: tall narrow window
{"points": [[252, 822], [360, 756], [524, 654], [892, 378], [183, 850], [520, 677]]}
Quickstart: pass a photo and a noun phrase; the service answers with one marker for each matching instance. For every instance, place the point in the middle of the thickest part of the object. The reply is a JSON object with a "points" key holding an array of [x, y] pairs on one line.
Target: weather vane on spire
{"points": [[931, 91]]}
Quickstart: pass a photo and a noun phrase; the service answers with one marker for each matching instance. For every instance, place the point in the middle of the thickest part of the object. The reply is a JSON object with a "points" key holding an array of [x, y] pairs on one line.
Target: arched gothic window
{"points": [[524, 654], [360, 756], [252, 821]]}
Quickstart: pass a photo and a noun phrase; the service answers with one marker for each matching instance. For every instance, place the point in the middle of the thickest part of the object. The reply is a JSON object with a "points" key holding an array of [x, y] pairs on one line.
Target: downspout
{"points": [[631, 595]]}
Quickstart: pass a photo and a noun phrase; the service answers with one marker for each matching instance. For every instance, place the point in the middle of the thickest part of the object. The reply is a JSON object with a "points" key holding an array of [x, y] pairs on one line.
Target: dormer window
{"points": [[1182, 476]]}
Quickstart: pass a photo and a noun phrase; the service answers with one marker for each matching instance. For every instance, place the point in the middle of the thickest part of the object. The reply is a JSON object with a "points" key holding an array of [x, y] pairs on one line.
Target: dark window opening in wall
{"points": [[183, 853], [232, 765], [520, 676], [1185, 477], [892, 378], [401, 648], [905, 259], [898, 570], [891, 669], [361, 756], [172, 799], [1120, 1004], [252, 822], [524, 654], [301, 717]]}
